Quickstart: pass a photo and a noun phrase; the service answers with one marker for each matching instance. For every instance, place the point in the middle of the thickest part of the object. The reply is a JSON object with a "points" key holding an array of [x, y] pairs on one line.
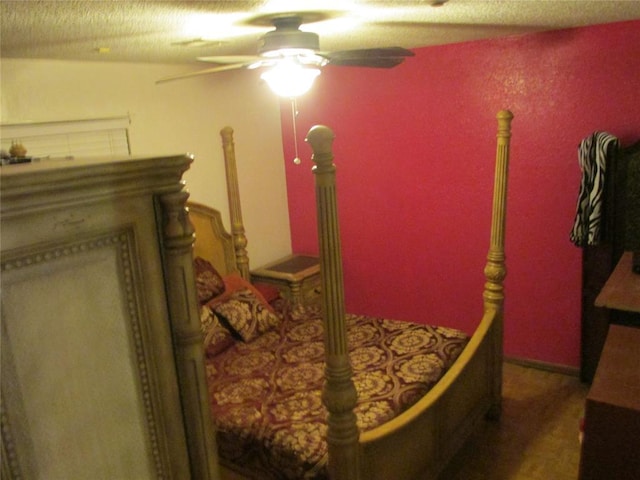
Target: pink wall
{"points": [[415, 147]]}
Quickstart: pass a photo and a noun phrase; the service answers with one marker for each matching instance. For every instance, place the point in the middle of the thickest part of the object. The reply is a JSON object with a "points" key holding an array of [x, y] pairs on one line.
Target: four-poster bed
{"points": [[428, 426]]}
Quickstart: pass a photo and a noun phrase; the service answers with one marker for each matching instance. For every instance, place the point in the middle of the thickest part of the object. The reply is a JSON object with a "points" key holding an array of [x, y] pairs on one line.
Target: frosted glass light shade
{"points": [[290, 79]]}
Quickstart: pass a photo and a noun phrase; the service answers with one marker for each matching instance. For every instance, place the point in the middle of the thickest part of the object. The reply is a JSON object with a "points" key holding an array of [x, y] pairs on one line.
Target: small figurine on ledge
{"points": [[17, 154], [17, 150]]}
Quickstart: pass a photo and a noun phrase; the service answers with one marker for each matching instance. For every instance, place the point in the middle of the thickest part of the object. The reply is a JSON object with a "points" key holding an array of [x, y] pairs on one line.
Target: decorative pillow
{"points": [[233, 283], [246, 314], [209, 283], [269, 292], [216, 337]]}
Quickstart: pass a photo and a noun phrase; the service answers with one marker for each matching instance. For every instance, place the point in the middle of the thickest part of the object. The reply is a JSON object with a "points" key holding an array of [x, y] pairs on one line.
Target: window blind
{"points": [[75, 138]]}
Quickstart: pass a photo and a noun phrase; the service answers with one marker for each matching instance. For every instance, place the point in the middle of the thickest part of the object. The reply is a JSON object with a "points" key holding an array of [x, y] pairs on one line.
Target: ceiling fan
{"points": [[288, 52]]}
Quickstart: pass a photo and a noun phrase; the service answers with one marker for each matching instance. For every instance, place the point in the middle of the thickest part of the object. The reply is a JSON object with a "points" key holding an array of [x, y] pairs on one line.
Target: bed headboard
{"points": [[212, 242], [226, 252]]}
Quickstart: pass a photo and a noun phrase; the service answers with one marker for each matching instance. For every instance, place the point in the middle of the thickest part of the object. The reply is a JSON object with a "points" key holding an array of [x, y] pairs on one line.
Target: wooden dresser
{"points": [[100, 325], [621, 291], [622, 232], [611, 445]]}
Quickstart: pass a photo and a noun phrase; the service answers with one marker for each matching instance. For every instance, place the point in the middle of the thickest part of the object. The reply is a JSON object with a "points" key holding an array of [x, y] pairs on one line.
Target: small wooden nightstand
{"points": [[296, 276]]}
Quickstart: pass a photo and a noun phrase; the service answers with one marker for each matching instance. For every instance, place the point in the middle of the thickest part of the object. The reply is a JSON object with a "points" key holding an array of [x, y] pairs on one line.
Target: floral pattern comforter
{"points": [[266, 394]]}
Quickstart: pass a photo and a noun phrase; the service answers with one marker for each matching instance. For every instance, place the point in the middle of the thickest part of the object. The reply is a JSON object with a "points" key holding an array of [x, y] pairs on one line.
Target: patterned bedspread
{"points": [[266, 393]]}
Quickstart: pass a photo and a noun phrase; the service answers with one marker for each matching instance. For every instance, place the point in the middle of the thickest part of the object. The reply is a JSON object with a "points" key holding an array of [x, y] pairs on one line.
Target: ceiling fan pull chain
{"points": [[294, 116]]}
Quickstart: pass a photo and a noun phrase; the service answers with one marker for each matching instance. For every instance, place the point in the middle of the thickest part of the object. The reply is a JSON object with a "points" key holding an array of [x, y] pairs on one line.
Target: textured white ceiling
{"points": [[166, 31]]}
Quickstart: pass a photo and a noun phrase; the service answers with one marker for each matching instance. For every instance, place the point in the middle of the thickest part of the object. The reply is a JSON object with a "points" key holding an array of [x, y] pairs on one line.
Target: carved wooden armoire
{"points": [[102, 371]]}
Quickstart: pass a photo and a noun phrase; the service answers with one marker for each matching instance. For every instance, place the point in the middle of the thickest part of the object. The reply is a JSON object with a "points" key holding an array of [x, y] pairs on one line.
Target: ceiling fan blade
{"points": [[386, 57], [246, 59], [206, 71]]}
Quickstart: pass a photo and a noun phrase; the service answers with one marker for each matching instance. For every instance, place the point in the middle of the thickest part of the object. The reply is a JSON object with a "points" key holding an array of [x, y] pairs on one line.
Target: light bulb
{"points": [[290, 79]]}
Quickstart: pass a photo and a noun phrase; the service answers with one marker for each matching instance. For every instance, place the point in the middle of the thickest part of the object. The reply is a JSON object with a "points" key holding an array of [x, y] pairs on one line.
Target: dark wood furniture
{"points": [[598, 262], [622, 289], [611, 445]]}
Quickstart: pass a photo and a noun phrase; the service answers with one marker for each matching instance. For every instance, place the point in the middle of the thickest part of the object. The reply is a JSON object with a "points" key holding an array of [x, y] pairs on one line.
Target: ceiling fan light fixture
{"points": [[288, 53], [287, 35], [294, 58], [290, 79]]}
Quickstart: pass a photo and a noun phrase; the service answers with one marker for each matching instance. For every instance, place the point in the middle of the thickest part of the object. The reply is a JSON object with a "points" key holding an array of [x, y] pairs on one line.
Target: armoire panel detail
{"points": [[91, 366]]}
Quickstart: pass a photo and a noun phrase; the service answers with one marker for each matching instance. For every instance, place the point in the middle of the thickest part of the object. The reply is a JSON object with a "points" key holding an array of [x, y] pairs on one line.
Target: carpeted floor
{"points": [[537, 435]]}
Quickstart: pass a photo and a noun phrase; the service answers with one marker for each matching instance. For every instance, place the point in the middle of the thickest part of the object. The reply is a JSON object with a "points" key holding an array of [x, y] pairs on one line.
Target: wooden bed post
{"points": [[495, 270], [339, 393], [235, 212], [178, 237]]}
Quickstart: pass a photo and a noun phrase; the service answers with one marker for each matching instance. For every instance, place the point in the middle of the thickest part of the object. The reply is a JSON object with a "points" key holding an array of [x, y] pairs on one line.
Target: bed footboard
{"points": [[424, 438]]}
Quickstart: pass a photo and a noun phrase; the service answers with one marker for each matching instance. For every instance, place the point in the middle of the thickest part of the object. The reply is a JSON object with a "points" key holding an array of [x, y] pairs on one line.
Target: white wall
{"points": [[176, 117]]}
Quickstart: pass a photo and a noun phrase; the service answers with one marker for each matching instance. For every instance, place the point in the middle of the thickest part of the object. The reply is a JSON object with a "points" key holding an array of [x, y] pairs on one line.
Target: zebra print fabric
{"points": [[593, 152]]}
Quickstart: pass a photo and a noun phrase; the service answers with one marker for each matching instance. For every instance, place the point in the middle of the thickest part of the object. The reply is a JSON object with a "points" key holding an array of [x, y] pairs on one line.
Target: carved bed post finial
{"points": [[178, 237], [233, 192], [339, 394], [495, 269]]}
